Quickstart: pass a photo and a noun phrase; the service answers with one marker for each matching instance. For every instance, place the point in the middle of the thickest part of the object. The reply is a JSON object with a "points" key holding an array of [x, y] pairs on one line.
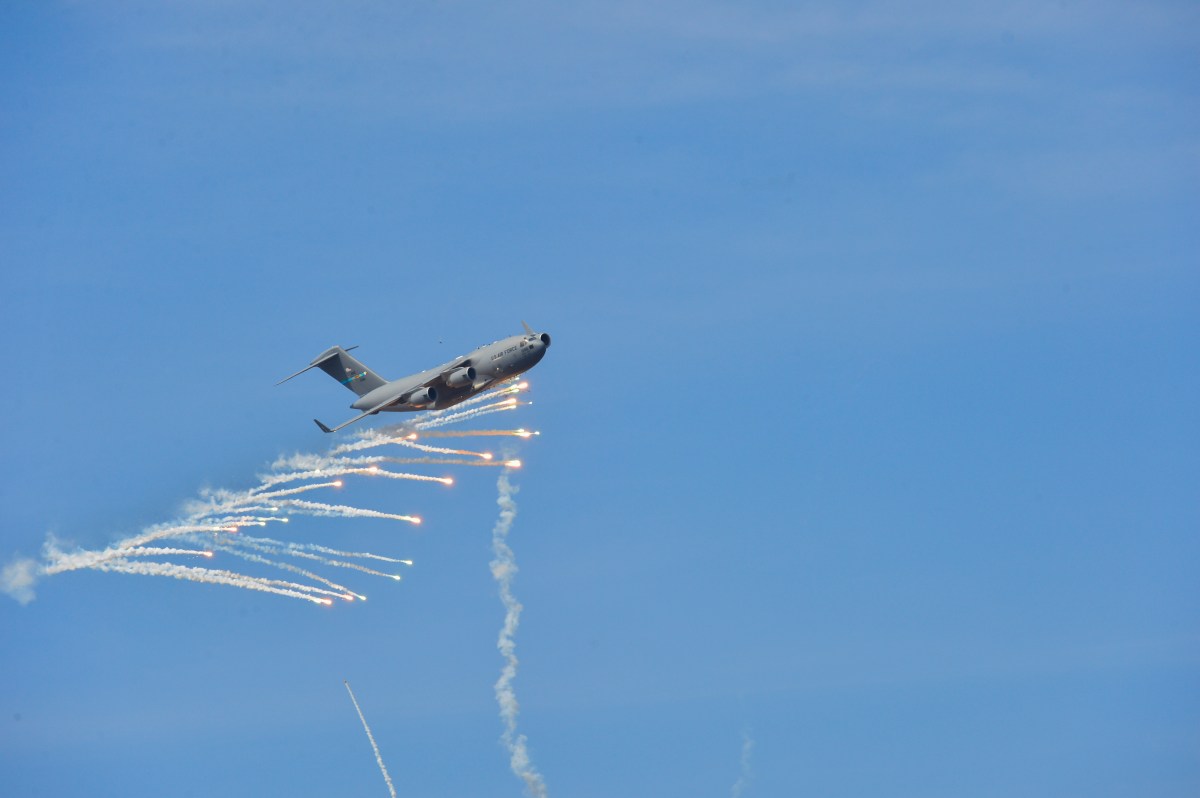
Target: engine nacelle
{"points": [[461, 378], [422, 397]]}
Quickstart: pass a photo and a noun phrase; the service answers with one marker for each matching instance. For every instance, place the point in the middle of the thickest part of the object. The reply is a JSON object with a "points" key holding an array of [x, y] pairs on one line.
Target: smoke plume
{"points": [[504, 569]]}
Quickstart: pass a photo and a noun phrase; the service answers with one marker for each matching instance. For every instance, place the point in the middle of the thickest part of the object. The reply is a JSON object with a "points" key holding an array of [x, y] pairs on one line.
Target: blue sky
{"points": [[869, 430]]}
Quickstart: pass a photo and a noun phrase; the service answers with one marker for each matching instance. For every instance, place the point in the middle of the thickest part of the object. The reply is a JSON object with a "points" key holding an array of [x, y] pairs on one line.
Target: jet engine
{"points": [[460, 378], [422, 397]]}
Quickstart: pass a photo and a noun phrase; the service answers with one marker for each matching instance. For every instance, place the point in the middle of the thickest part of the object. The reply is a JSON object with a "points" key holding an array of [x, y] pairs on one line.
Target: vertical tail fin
{"points": [[346, 369]]}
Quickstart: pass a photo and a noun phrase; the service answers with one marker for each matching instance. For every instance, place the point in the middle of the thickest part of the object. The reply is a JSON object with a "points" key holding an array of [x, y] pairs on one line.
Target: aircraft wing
{"points": [[453, 365], [364, 414]]}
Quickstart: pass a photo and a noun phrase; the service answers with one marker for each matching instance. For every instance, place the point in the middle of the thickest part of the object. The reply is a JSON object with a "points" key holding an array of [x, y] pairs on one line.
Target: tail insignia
{"points": [[352, 377]]}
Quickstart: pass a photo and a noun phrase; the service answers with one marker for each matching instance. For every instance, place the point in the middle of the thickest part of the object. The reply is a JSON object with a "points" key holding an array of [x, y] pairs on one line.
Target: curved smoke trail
{"points": [[216, 520], [504, 568]]}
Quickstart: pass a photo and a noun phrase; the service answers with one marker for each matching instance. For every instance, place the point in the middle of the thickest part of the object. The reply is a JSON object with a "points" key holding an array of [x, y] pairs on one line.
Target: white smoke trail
{"points": [[300, 461], [212, 577], [18, 578], [59, 561], [323, 472], [292, 491], [215, 518], [251, 543], [421, 447], [499, 407], [379, 472], [334, 471], [343, 591], [445, 461], [376, 459], [371, 737], [466, 410], [164, 531], [479, 433], [343, 511], [217, 502], [253, 508], [240, 521], [313, 547], [504, 569], [743, 781], [148, 551], [369, 439]]}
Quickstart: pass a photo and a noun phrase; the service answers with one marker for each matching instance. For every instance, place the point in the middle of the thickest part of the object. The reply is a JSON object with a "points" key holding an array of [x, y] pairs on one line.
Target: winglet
{"points": [[322, 426], [526, 326]]}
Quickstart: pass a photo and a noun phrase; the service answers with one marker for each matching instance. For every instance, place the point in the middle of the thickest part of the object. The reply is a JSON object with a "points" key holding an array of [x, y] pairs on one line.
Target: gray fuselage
{"points": [[492, 363]]}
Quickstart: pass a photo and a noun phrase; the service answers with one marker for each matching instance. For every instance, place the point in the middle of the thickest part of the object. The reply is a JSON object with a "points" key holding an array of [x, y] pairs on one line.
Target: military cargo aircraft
{"points": [[435, 389]]}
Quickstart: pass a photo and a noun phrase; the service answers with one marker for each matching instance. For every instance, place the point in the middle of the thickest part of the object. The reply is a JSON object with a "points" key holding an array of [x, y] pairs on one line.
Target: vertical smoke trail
{"points": [[743, 781], [504, 568], [371, 737]]}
